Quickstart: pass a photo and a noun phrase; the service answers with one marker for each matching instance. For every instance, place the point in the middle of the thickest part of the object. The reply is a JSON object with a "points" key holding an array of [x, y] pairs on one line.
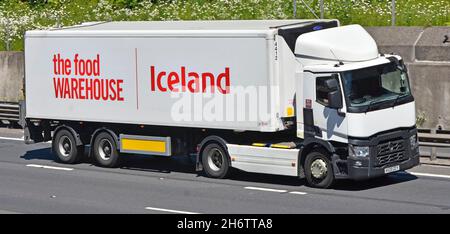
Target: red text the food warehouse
{"points": [[79, 78]]}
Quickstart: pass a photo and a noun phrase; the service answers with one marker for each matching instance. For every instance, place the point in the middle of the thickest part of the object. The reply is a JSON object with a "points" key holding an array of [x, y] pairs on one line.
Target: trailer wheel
{"points": [[319, 170], [105, 150], [215, 160], [65, 148]]}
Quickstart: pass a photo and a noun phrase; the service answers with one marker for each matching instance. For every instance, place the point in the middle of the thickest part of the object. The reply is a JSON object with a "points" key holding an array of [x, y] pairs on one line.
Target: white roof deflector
{"points": [[350, 43]]}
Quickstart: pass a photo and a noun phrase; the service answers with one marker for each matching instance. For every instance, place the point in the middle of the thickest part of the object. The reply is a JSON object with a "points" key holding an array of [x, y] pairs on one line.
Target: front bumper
{"points": [[362, 173], [387, 150]]}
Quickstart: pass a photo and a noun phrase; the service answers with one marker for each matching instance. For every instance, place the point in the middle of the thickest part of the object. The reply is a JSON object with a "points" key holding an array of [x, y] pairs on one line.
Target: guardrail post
{"points": [[7, 35], [433, 155], [322, 11], [295, 8], [393, 12]]}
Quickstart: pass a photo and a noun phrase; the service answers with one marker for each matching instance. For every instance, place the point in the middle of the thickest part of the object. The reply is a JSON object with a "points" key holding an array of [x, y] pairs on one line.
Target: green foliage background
{"points": [[17, 16]]}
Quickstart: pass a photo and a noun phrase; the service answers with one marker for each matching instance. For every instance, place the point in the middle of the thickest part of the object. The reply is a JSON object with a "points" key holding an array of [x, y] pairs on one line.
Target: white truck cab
{"points": [[350, 96]]}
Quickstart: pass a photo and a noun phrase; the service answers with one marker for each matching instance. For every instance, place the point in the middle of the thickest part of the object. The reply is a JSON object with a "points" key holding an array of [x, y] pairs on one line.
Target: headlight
{"points": [[413, 142], [359, 151]]}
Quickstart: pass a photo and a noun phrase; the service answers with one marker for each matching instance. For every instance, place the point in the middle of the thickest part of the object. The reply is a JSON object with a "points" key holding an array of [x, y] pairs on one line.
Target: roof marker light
{"points": [[318, 27]]}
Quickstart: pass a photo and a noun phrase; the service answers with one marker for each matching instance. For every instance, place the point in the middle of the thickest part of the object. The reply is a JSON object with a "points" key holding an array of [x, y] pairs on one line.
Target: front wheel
{"points": [[319, 170]]}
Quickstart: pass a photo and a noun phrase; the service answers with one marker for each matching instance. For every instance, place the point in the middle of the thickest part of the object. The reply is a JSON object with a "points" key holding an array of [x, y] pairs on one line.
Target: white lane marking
{"points": [[429, 175], [20, 139], [298, 193], [170, 211], [267, 189], [431, 165], [50, 167], [8, 212], [11, 138]]}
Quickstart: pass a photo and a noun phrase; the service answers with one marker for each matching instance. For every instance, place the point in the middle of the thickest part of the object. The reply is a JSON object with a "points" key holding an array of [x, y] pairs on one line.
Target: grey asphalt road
{"points": [[31, 182]]}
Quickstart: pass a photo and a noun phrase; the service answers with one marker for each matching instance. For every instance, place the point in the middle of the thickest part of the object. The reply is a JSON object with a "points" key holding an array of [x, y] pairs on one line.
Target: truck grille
{"points": [[391, 151]]}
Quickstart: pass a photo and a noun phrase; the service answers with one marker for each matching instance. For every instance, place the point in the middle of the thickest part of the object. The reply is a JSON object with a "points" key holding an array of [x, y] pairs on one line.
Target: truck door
{"points": [[330, 121], [320, 119]]}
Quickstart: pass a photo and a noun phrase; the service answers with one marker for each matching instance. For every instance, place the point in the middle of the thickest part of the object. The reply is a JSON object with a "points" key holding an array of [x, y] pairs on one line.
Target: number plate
{"points": [[391, 169]]}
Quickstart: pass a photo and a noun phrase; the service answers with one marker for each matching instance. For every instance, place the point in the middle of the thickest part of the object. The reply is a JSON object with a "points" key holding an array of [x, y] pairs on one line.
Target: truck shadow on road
{"points": [[186, 165], [396, 178], [340, 185], [178, 164], [39, 154]]}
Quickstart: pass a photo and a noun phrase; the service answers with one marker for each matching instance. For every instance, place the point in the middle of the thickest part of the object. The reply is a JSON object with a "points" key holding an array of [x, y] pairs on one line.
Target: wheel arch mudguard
{"points": [[310, 144], [75, 134]]}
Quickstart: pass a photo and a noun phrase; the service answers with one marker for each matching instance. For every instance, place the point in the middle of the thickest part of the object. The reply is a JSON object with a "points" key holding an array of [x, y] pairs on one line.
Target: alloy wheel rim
{"points": [[215, 159], [105, 149], [65, 146], [319, 168]]}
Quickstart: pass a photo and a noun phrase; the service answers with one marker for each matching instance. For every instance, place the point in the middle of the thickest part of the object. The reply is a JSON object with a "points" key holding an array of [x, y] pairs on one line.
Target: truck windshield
{"points": [[375, 87]]}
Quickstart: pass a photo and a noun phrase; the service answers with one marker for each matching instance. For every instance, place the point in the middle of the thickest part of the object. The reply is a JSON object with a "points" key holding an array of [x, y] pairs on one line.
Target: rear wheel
{"points": [[215, 161], [65, 148], [319, 170], [105, 150]]}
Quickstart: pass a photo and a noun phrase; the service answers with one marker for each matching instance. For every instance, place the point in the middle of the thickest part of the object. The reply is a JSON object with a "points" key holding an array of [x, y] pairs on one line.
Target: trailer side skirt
{"points": [[264, 159]]}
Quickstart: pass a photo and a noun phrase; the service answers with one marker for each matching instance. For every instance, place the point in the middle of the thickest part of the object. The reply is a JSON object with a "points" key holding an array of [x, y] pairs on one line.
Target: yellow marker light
{"points": [[144, 145], [290, 111]]}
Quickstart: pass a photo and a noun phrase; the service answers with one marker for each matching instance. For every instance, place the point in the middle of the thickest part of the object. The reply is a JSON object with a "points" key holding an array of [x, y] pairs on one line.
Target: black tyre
{"points": [[105, 151], [215, 161], [65, 148], [319, 170]]}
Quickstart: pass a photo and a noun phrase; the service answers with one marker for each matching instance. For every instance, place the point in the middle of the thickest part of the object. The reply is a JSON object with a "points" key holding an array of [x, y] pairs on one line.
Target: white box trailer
{"points": [[237, 94], [140, 59]]}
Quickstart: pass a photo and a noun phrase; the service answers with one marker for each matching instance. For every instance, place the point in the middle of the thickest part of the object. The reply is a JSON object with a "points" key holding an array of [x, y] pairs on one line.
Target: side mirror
{"points": [[334, 94], [335, 100], [394, 60], [399, 64], [328, 92], [332, 84]]}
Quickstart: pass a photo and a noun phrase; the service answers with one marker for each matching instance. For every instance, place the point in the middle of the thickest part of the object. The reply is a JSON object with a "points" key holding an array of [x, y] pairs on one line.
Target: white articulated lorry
{"points": [[305, 98]]}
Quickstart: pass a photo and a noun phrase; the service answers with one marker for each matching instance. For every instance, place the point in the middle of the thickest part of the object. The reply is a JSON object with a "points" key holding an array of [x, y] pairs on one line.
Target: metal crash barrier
{"points": [[9, 112], [434, 143]]}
